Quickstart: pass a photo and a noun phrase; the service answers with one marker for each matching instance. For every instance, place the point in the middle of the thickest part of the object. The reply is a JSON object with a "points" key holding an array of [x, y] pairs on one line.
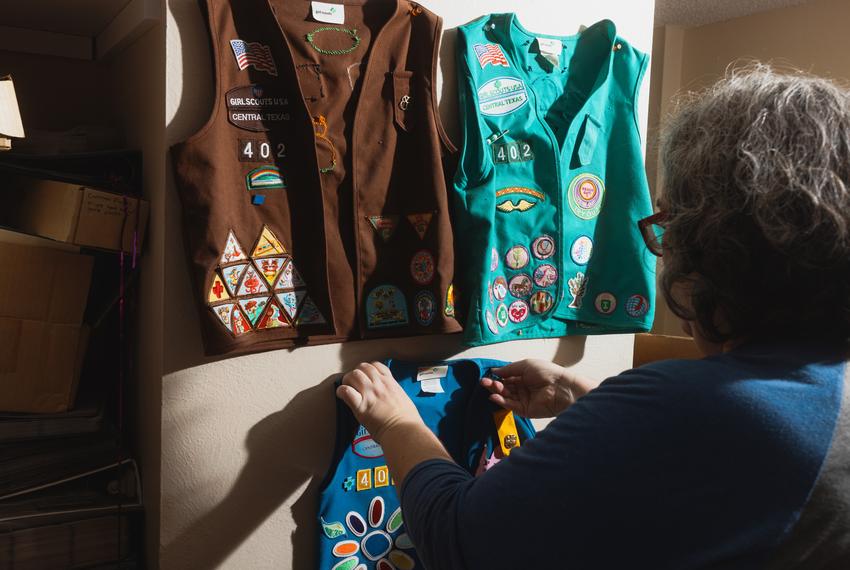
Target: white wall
{"points": [[245, 440]]}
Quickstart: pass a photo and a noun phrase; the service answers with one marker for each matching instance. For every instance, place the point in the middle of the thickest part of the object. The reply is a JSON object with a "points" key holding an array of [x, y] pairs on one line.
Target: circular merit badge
{"points": [[425, 308], [543, 247], [541, 302], [637, 306], [422, 267], [518, 311], [494, 259], [517, 257], [500, 288], [581, 250], [606, 303], [520, 286], [585, 195], [502, 315], [545, 275], [491, 322]]}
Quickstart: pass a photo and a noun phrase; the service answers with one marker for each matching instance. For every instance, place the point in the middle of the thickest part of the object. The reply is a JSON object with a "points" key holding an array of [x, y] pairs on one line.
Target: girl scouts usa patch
{"points": [[501, 96]]}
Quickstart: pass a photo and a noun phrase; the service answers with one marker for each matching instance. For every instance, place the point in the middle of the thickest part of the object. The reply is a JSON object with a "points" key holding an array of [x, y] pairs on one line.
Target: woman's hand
{"points": [[377, 400], [535, 388]]}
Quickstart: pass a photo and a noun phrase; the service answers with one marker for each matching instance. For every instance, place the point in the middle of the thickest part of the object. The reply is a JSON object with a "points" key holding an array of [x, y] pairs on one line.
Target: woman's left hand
{"points": [[377, 400]]}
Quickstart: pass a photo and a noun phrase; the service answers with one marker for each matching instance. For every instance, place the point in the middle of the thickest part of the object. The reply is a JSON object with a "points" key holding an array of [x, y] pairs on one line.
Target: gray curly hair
{"points": [[757, 195]]}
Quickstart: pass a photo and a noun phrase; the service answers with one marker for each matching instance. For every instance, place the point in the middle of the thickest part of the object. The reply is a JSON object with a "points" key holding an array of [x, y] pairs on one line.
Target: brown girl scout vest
{"points": [[314, 202]]}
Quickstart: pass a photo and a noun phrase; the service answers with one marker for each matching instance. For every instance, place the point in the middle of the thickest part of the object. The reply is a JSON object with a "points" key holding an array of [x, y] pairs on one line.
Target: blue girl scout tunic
{"points": [[361, 526], [550, 185]]}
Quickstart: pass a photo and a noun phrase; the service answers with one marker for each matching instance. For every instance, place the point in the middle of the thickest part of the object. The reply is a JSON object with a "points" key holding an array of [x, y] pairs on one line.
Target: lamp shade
{"points": [[10, 116]]}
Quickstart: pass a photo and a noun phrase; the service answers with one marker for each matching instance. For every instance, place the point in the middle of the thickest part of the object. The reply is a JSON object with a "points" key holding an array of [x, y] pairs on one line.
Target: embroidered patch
{"points": [[364, 483], [501, 96], [585, 196], [605, 303], [637, 306], [345, 548], [376, 545], [541, 302], [450, 301], [520, 286], [254, 308], [217, 291], [290, 301], [517, 257], [422, 267], [238, 324], [232, 250], [270, 268], [268, 245], [426, 306], [365, 446], [490, 54], [420, 223], [581, 250], [386, 307], [395, 521], [232, 276], [543, 247], [509, 152], [521, 205], [355, 522], [256, 107], [500, 288], [404, 541], [273, 318], [491, 322], [264, 178], [546, 275], [253, 54], [254, 150], [224, 314], [258, 199], [494, 259], [252, 284], [521, 190], [401, 560], [384, 225], [382, 477], [578, 287], [376, 511], [310, 314], [502, 315], [290, 278], [348, 484], [320, 125], [518, 311], [333, 529]]}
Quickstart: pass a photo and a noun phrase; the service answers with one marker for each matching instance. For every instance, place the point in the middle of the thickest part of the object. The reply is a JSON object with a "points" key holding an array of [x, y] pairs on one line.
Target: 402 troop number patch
{"points": [[516, 151], [255, 150]]}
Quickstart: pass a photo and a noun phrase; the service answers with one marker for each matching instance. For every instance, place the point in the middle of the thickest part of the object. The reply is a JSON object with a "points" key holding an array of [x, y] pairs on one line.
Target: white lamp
{"points": [[10, 116]]}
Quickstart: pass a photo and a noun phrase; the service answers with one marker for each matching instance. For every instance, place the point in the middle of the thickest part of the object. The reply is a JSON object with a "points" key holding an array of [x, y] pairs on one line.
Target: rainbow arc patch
{"points": [[264, 178]]}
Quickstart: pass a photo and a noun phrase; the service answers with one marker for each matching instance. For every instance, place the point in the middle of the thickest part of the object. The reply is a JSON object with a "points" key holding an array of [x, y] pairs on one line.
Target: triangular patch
{"points": [[238, 323], [309, 314], [224, 314], [254, 308], [384, 225], [270, 268], [217, 291], [290, 278], [252, 283], [232, 275], [273, 318], [290, 301], [421, 223], [233, 250], [268, 245]]}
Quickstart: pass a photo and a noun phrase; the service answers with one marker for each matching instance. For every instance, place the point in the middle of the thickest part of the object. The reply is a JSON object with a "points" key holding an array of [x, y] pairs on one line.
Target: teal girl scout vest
{"points": [[361, 526], [550, 185]]}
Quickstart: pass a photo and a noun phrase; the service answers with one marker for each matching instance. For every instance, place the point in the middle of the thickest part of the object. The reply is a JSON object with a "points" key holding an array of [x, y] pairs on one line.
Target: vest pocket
{"points": [[589, 138], [403, 100]]}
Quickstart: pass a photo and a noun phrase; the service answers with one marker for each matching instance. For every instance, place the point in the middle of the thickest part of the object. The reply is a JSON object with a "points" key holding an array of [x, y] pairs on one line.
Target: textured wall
{"points": [[244, 439]]}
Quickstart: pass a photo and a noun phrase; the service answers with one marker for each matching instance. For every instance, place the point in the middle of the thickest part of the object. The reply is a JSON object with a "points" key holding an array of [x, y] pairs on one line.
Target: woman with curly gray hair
{"points": [[738, 460]]}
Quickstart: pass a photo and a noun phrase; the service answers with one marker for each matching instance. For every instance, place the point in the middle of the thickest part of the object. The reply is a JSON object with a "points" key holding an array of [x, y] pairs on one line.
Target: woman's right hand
{"points": [[535, 388]]}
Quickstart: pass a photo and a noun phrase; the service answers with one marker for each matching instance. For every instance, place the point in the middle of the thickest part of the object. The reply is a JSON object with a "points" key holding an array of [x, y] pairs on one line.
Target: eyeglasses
{"points": [[652, 229]]}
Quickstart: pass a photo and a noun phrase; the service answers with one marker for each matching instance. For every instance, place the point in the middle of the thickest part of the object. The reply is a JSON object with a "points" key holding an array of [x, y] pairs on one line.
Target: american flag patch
{"points": [[253, 53], [490, 54]]}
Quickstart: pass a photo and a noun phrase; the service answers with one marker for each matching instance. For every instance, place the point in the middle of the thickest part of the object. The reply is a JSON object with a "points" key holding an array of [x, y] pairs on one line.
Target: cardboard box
{"points": [[43, 295], [72, 213], [654, 347]]}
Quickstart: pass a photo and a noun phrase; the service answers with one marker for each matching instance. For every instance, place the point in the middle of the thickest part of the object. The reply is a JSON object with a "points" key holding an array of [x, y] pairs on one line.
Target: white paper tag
{"points": [[432, 372], [432, 386], [550, 49], [329, 13]]}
